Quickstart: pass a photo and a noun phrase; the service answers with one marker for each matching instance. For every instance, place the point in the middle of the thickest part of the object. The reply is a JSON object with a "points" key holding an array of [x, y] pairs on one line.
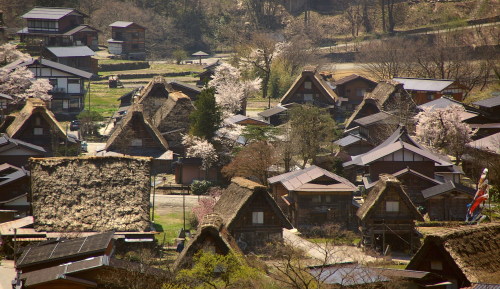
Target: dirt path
{"points": [[327, 254]]}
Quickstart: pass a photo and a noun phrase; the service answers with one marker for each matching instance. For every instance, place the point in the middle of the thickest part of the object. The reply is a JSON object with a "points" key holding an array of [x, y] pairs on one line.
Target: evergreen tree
{"points": [[207, 117]]}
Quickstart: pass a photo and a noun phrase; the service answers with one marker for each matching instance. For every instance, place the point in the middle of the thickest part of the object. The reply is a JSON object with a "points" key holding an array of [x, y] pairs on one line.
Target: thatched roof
{"points": [[475, 249], [128, 129], [386, 184], [153, 95], [34, 106], [172, 118], [235, 198], [317, 81], [80, 194], [211, 234]]}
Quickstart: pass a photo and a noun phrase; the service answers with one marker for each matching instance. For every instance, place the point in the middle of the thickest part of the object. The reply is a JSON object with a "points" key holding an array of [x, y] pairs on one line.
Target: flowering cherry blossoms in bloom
{"points": [[443, 129], [200, 148], [231, 90]]}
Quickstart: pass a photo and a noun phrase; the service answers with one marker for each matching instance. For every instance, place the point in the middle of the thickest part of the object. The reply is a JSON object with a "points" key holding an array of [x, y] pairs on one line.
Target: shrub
{"points": [[200, 187]]}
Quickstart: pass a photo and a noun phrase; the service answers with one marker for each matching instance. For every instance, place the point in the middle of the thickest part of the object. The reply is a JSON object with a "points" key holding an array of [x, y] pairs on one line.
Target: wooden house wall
{"points": [[89, 38], [380, 212], [451, 206], [69, 22], [187, 173], [331, 207], [256, 235], [130, 44], [414, 186], [354, 90], [317, 93], [388, 166], [136, 129], [48, 140]]}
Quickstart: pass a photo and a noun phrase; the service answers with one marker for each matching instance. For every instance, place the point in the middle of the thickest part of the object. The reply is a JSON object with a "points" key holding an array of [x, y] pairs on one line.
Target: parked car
{"points": [[74, 125], [84, 146]]}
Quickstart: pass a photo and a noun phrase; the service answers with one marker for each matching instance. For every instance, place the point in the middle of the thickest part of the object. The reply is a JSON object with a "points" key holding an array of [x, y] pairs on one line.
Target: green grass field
{"points": [[104, 99], [169, 225]]}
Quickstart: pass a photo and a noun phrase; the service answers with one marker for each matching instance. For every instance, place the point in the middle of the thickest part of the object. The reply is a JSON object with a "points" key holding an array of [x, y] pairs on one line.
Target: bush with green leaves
{"points": [[201, 187]]}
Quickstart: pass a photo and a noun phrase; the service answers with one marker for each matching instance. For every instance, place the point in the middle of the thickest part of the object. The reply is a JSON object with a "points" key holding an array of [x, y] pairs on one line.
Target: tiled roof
{"points": [[424, 84], [49, 13]]}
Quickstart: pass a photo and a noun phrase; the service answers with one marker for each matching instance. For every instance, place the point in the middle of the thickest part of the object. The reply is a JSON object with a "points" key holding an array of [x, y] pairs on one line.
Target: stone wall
{"points": [[81, 194]]}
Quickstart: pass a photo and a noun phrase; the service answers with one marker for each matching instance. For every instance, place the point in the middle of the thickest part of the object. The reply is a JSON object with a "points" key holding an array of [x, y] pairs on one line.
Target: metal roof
{"points": [[424, 84], [71, 51], [52, 64], [347, 275], [49, 13], [374, 118], [301, 180], [121, 24], [348, 140], [5, 96], [490, 143], [65, 249], [80, 28], [200, 53], [447, 187], [490, 102], [235, 119], [272, 111], [442, 102]]}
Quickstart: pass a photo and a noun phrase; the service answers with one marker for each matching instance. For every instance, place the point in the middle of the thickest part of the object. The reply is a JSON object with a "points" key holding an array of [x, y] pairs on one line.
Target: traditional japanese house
{"points": [[14, 189], [128, 39], [490, 107], [311, 88], [314, 196], [135, 136], [448, 201], [388, 217], [275, 116], [79, 57], [462, 255], [172, 119], [86, 262], [56, 26], [425, 90], [244, 120], [36, 125], [352, 90], [377, 127], [17, 152], [387, 95], [211, 236], [68, 84], [251, 215], [400, 155]]}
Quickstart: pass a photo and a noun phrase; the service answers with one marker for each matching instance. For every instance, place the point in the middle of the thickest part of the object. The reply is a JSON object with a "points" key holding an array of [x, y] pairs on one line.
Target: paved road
{"points": [[7, 273], [327, 254]]}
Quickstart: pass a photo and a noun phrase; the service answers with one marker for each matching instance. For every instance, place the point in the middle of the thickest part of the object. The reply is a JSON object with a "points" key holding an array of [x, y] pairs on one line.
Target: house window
{"points": [[430, 96], [136, 142], [436, 265], [307, 85], [65, 104], [73, 81], [308, 97], [38, 131], [3, 103], [38, 121], [316, 199], [360, 92], [257, 217], [392, 206]]}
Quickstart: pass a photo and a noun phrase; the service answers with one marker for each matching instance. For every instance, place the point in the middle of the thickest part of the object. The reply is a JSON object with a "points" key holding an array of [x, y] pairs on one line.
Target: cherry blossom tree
{"points": [[443, 129], [231, 89], [9, 53], [206, 204], [197, 147]]}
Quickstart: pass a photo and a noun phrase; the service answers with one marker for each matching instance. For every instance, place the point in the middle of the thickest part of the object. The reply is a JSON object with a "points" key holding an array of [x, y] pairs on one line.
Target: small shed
{"points": [[388, 217], [200, 54], [448, 201]]}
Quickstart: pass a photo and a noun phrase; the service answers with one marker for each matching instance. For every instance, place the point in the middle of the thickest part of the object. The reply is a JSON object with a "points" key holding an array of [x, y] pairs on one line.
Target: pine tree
{"points": [[207, 117]]}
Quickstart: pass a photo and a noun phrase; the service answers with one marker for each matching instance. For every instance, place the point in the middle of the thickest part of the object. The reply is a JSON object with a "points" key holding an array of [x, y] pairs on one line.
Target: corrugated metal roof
{"points": [[424, 84], [490, 102], [49, 13], [71, 51]]}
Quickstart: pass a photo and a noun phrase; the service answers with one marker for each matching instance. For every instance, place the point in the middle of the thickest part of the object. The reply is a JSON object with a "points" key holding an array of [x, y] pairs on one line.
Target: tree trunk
{"points": [[390, 15], [366, 19], [382, 7]]}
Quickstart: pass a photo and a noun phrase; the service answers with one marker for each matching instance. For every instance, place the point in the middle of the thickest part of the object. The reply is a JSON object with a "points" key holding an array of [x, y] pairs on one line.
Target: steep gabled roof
{"points": [[474, 249], [211, 232], [386, 184], [447, 187], [303, 180], [382, 92], [317, 81], [235, 198], [135, 113], [156, 85], [424, 84], [34, 106], [67, 249], [361, 110]]}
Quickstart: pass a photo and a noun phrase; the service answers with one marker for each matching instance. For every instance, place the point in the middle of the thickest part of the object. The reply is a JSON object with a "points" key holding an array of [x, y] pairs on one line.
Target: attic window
{"points": [[258, 218], [307, 85], [38, 131], [392, 206]]}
